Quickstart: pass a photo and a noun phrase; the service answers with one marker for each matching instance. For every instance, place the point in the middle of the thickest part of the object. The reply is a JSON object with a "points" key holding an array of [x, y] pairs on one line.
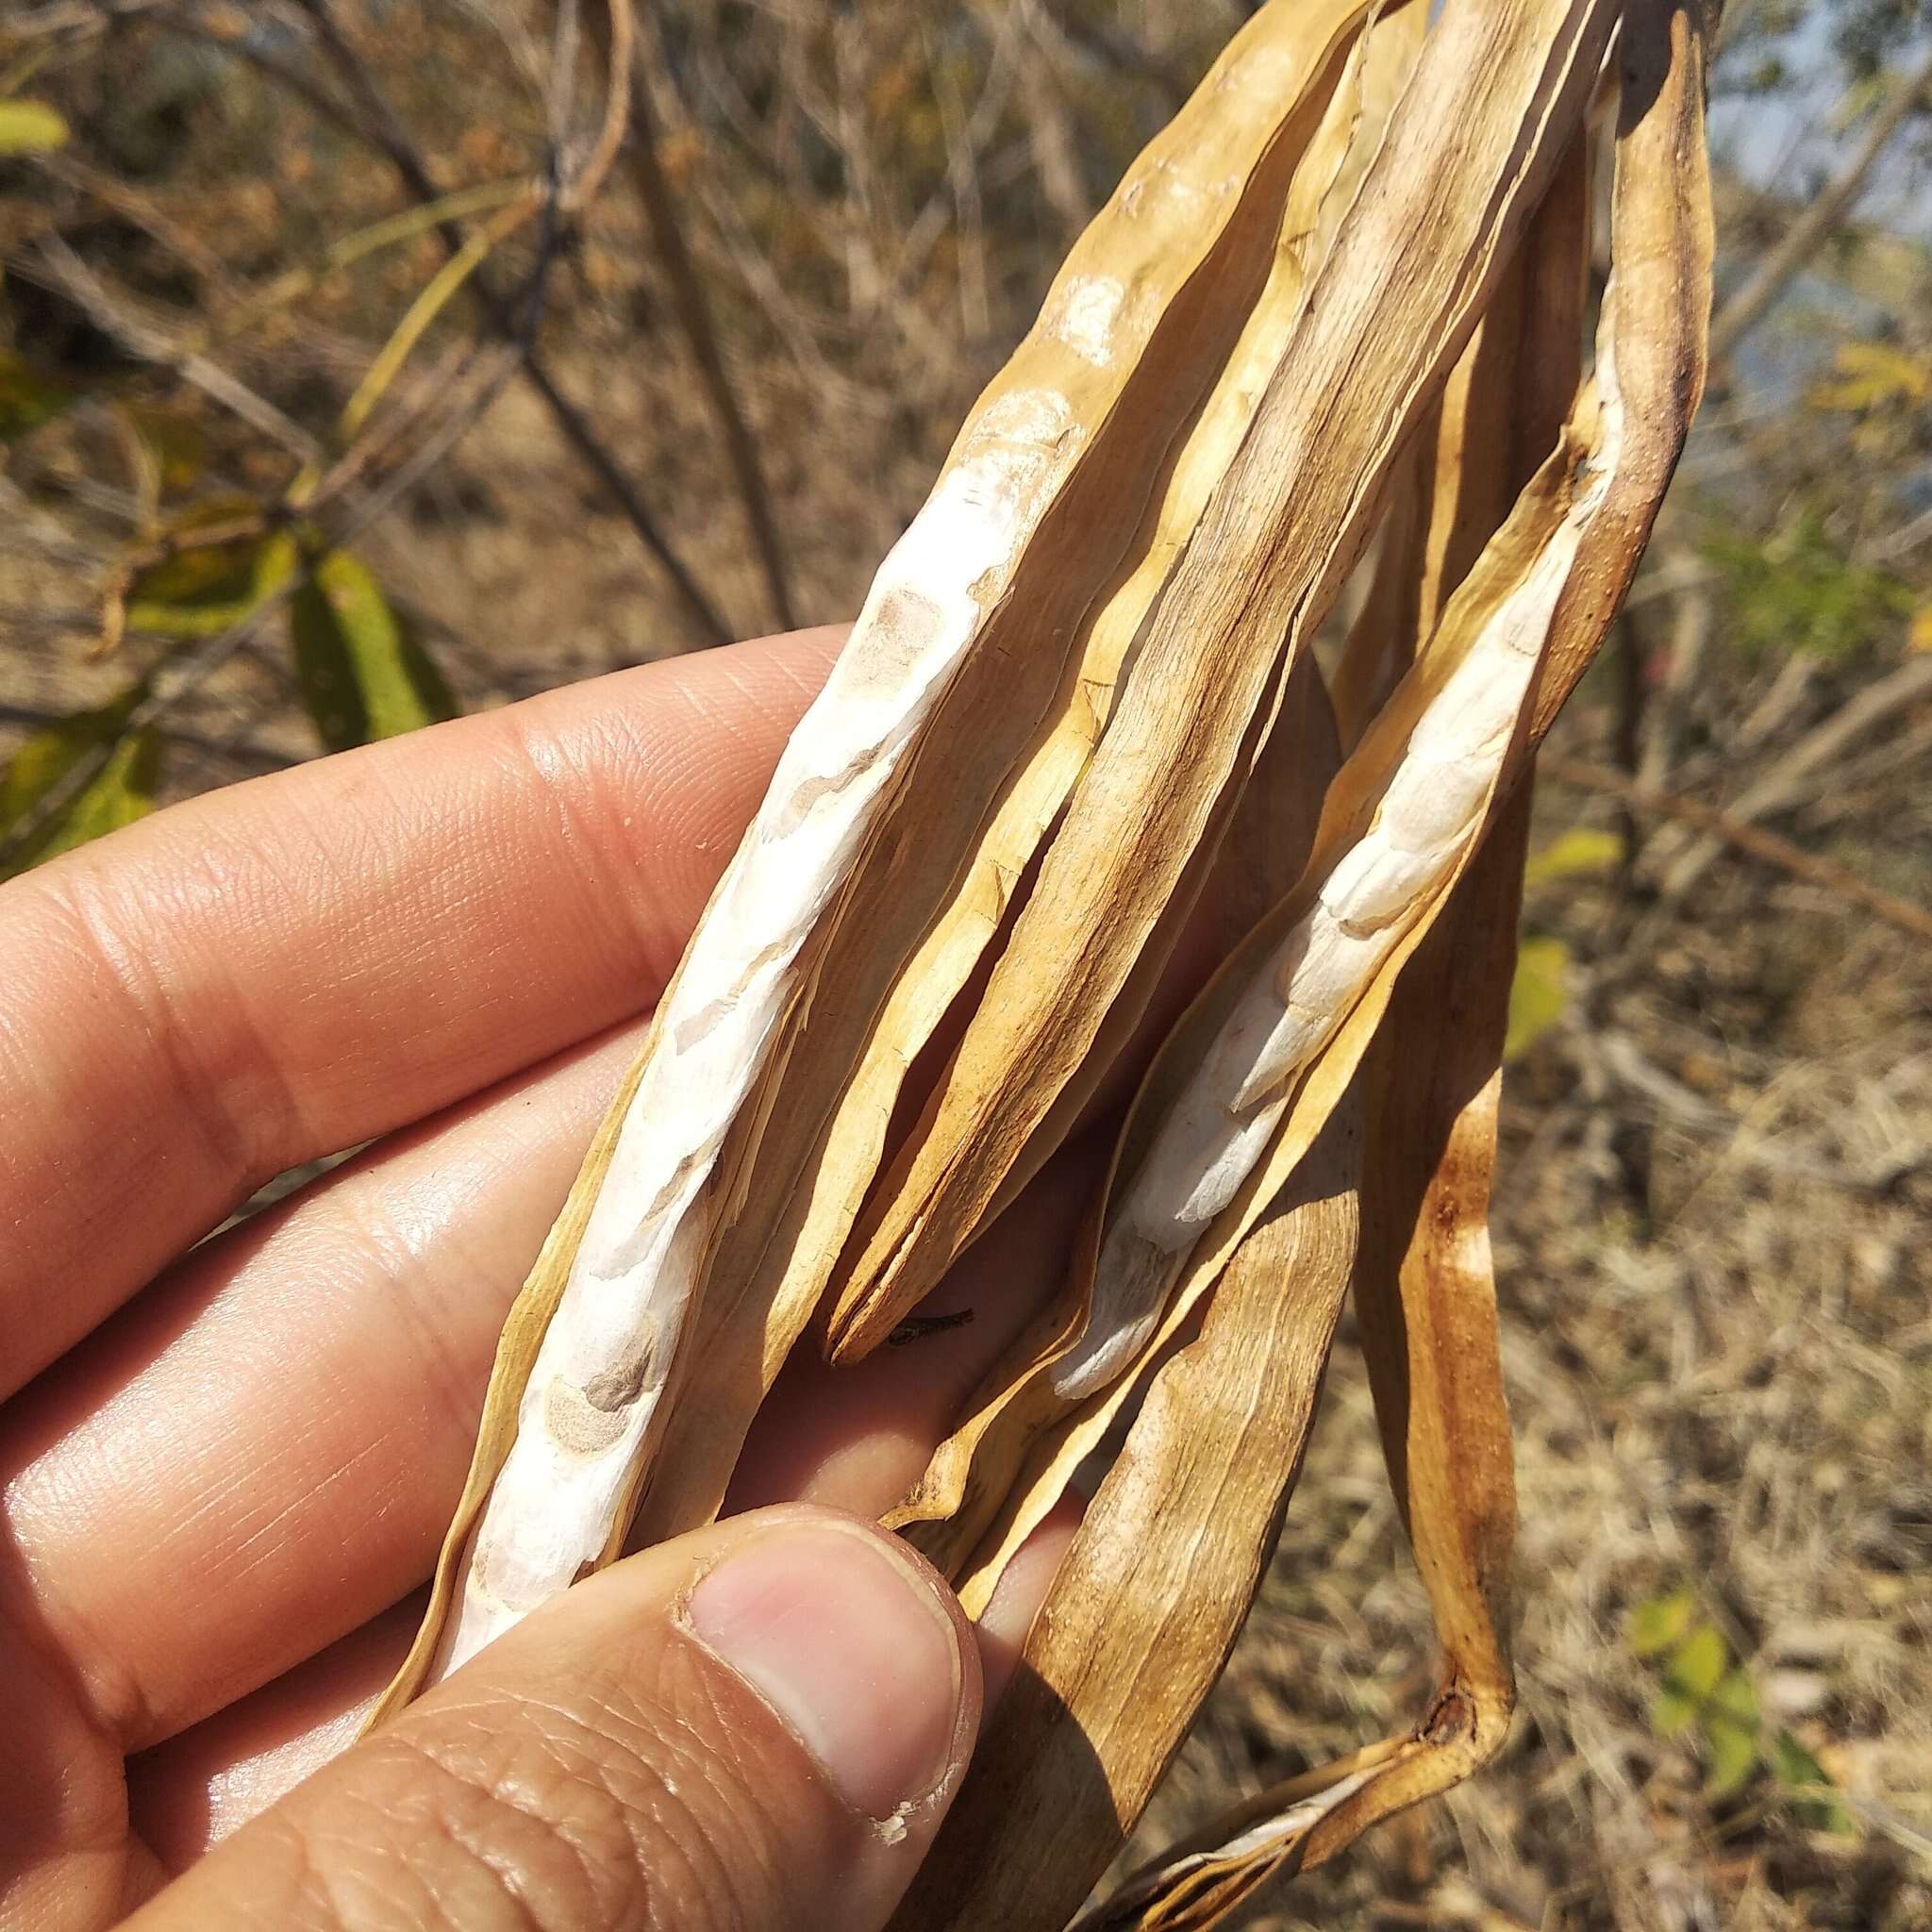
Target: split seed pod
{"points": [[1340, 303]]}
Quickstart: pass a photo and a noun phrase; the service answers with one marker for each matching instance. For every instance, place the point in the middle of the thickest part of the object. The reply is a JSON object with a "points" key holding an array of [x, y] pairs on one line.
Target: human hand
{"points": [[227, 1466]]}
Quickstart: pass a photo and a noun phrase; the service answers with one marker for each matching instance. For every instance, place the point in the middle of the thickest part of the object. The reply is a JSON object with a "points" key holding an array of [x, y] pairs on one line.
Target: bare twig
{"points": [[1689, 634], [1759, 843], [80, 18], [192, 670], [376, 123], [1749, 304], [246, 750], [700, 332], [1899, 544], [1792, 779], [60, 269], [620, 43], [1049, 130]]}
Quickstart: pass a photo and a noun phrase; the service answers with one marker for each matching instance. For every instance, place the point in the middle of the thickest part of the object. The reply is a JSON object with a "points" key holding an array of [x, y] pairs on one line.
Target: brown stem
{"points": [[1816, 751], [378, 125], [1749, 304], [1903, 913], [700, 332]]}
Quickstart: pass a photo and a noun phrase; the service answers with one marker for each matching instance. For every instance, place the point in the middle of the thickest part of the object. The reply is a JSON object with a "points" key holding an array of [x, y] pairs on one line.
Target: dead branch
{"points": [[1792, 779], [377, 124], [1731, 830], [700, 331], [190, 671], [62, 270], [1749, 304]]}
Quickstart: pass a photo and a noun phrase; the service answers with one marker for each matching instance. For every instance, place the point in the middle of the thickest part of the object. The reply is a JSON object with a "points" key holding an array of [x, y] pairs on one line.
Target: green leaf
{"points": [[1875, 375], [1538, 993], [1576, 851], [1814, 1797], [1797, 591], [28, 398], [1672, 1713], [121, 791], [1660, 1623], [180, 449], [202, 588], [31, 127], [1735, 1698], [364, 673], [1733, 1750], [1796, 1768], [1699, 1662]]}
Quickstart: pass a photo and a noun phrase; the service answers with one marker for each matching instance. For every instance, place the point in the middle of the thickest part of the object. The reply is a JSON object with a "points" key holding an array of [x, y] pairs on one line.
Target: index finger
{"points": [[295, 964]]}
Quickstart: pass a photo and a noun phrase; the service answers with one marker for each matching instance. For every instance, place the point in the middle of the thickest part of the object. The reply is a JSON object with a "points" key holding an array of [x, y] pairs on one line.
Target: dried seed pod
{"points": [[1344, 285], [1392, 304], [1136, 327]]}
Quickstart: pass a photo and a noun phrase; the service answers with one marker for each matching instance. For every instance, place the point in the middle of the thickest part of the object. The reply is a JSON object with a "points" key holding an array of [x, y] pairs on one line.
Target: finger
{"points": [[187, 1794], [758, 1726], [1019, 1594], [283, 1424], [859, 1438], [286, 1422], [287, 967]]}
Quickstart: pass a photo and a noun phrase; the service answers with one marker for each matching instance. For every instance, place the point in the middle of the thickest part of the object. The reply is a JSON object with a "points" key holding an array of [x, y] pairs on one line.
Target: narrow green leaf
{"points": [[1733, 1754], [1672, 1713], [1538, 995], [180, 449], [1735, 1698], [31, 127], [364, 673], [1576, 851], [1814, 1797], [120, 792], [202, 588]]}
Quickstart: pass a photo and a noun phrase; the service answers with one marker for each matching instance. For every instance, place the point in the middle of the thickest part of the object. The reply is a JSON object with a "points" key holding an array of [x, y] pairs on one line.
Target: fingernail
{"points": [[851, 1645]]}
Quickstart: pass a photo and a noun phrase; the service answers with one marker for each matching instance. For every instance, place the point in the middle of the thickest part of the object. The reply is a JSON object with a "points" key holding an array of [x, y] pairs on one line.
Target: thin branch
{"points": [[1748, 305], [192, 670], [1903, 913], [248, 751], [376, 125], [1049, 129], [695, 317], [620, 45], [63, 269], [1818, 750]]}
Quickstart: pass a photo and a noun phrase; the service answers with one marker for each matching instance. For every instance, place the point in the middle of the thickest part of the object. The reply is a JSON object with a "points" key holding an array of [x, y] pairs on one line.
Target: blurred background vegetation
{"points": [[366, 361]]}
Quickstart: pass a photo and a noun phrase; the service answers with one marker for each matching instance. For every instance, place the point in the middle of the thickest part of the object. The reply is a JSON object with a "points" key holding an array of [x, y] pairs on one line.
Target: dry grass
{"points": [[1720, 1366]]}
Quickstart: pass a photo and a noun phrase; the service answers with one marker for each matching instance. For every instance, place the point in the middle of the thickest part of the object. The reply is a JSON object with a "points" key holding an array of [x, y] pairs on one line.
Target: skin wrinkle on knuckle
{"points": [[621, 899], [694, 1809], [444, 1375], [640, 1794], [544, 1840], [110, 1696], [241, 1123]]}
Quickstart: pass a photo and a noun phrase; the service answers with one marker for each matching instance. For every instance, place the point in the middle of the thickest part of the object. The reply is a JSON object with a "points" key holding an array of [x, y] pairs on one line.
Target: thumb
{"points": [[754, 1728]]}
